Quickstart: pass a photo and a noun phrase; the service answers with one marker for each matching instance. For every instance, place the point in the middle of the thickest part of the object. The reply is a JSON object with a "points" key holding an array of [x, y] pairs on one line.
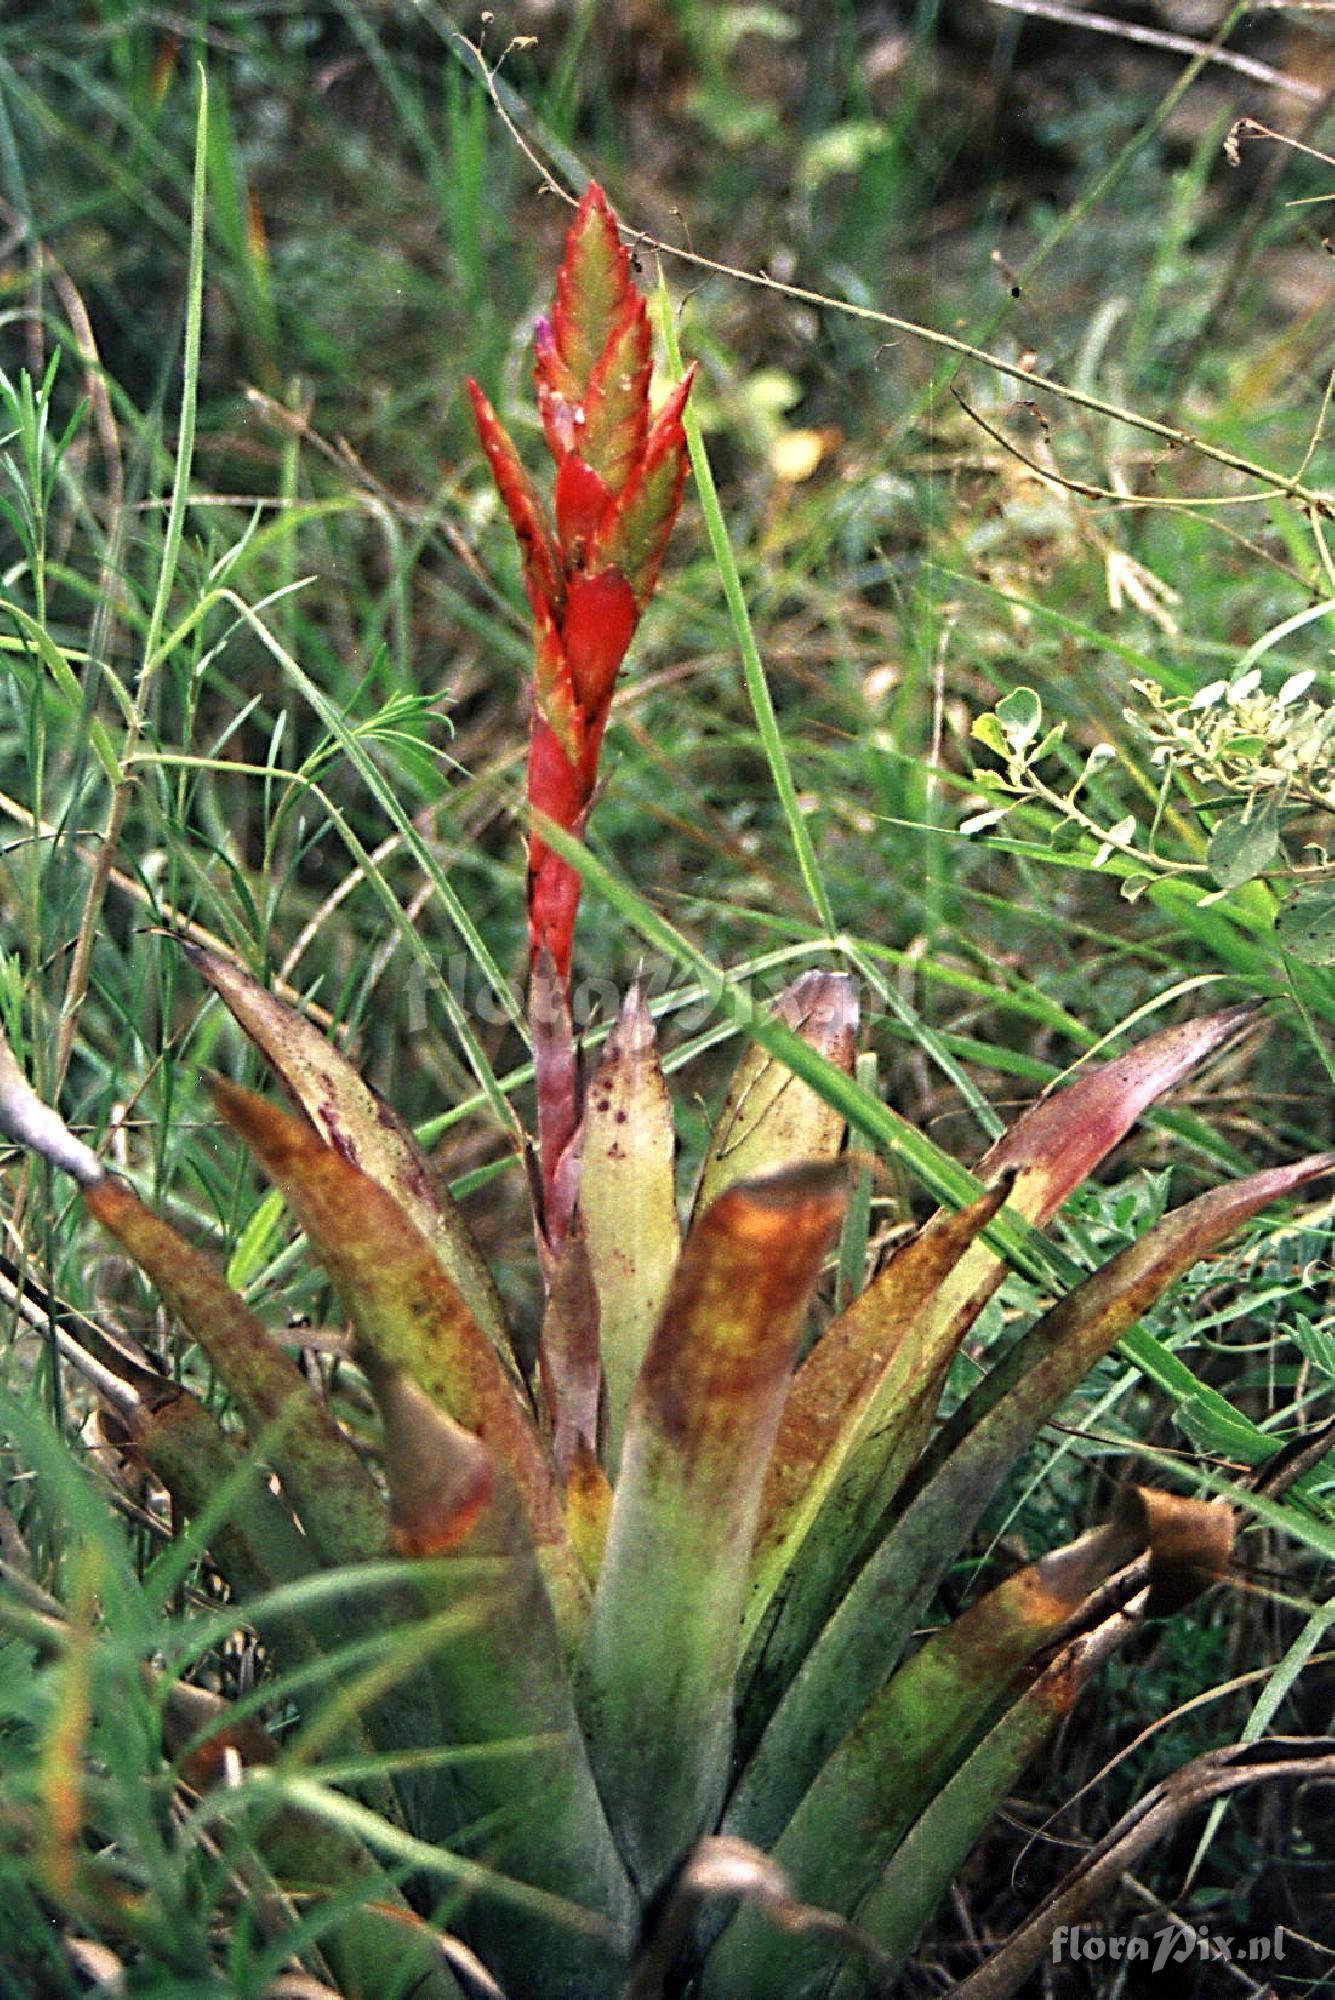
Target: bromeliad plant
{"points": [[640, 1686]]}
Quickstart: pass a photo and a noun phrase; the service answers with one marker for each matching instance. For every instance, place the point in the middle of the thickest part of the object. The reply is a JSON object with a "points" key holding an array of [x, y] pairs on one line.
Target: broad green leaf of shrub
{"points": [[1245, 843], [1305, 926]]}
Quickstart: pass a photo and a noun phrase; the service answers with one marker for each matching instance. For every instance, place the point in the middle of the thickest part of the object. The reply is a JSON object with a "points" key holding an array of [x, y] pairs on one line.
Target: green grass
{"points": [[262, 655]]}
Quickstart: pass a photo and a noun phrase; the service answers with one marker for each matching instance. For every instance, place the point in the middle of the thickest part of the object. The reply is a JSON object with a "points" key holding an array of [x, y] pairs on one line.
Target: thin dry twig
{"points": [[1164, 38], [1315, 502]]}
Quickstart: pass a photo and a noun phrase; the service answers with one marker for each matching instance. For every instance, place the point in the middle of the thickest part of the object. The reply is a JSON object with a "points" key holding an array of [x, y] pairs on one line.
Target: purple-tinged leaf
{"points": [[956, 1481], [1058, 1142], [570, 1371], [560, 1095]]}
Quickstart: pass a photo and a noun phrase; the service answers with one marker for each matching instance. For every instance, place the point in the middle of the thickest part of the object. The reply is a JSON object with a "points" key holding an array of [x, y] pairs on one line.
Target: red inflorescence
{"points": [[619, 477]]}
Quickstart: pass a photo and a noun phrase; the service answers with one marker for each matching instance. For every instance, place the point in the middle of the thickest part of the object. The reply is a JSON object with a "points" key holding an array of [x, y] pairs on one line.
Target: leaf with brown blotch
{"points": [[356, 1120], [861, 1375], [936, 1848], [442, 1480], [628, 1202], [406, 1312], [663, 1635], [770, 1118], [588, 1509], [911, 1737], [1049, 1151], [868, 1630], [502, 1681], [324, 1479], [1189, 1543]]}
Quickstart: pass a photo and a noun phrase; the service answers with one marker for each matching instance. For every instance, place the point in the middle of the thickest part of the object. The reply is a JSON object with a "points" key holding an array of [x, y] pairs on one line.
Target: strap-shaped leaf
{"points": [[863, 1379], [371, 1946], [769, 1117], [351, 1116], [868, 1632], [502, 1683], [324, 1479], [569, 1366], [406, 1311], [930, 1858], [628, 1202], [906, 1745], [663, 1636], [1049, 1152]]}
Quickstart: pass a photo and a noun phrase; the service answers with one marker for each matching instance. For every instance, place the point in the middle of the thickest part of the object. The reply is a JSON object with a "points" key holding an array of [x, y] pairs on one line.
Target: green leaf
{"points": [[957, 1478], [628, 1202], [1020, 714], [987, 730], [888, 1770], [770, 1118], [1305, 926], [351, 1116], [931, 1857], [406, 1310], [1245, 843], [663, 1635]]}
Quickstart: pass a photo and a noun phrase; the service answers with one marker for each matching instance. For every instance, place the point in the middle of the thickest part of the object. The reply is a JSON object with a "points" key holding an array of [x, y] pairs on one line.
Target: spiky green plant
{"points": [[641, 1686]]}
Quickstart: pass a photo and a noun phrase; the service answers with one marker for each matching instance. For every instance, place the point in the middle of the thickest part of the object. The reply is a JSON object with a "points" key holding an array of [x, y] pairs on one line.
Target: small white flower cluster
{"points": [[1234, 734]]}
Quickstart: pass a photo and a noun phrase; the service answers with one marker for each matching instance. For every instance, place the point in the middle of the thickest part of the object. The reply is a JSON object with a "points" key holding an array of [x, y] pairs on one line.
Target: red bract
{"points": [[619, 476]]}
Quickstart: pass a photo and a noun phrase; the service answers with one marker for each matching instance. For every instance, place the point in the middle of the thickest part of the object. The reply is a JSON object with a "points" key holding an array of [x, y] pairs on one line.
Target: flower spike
{"points": [[589, 571]]}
